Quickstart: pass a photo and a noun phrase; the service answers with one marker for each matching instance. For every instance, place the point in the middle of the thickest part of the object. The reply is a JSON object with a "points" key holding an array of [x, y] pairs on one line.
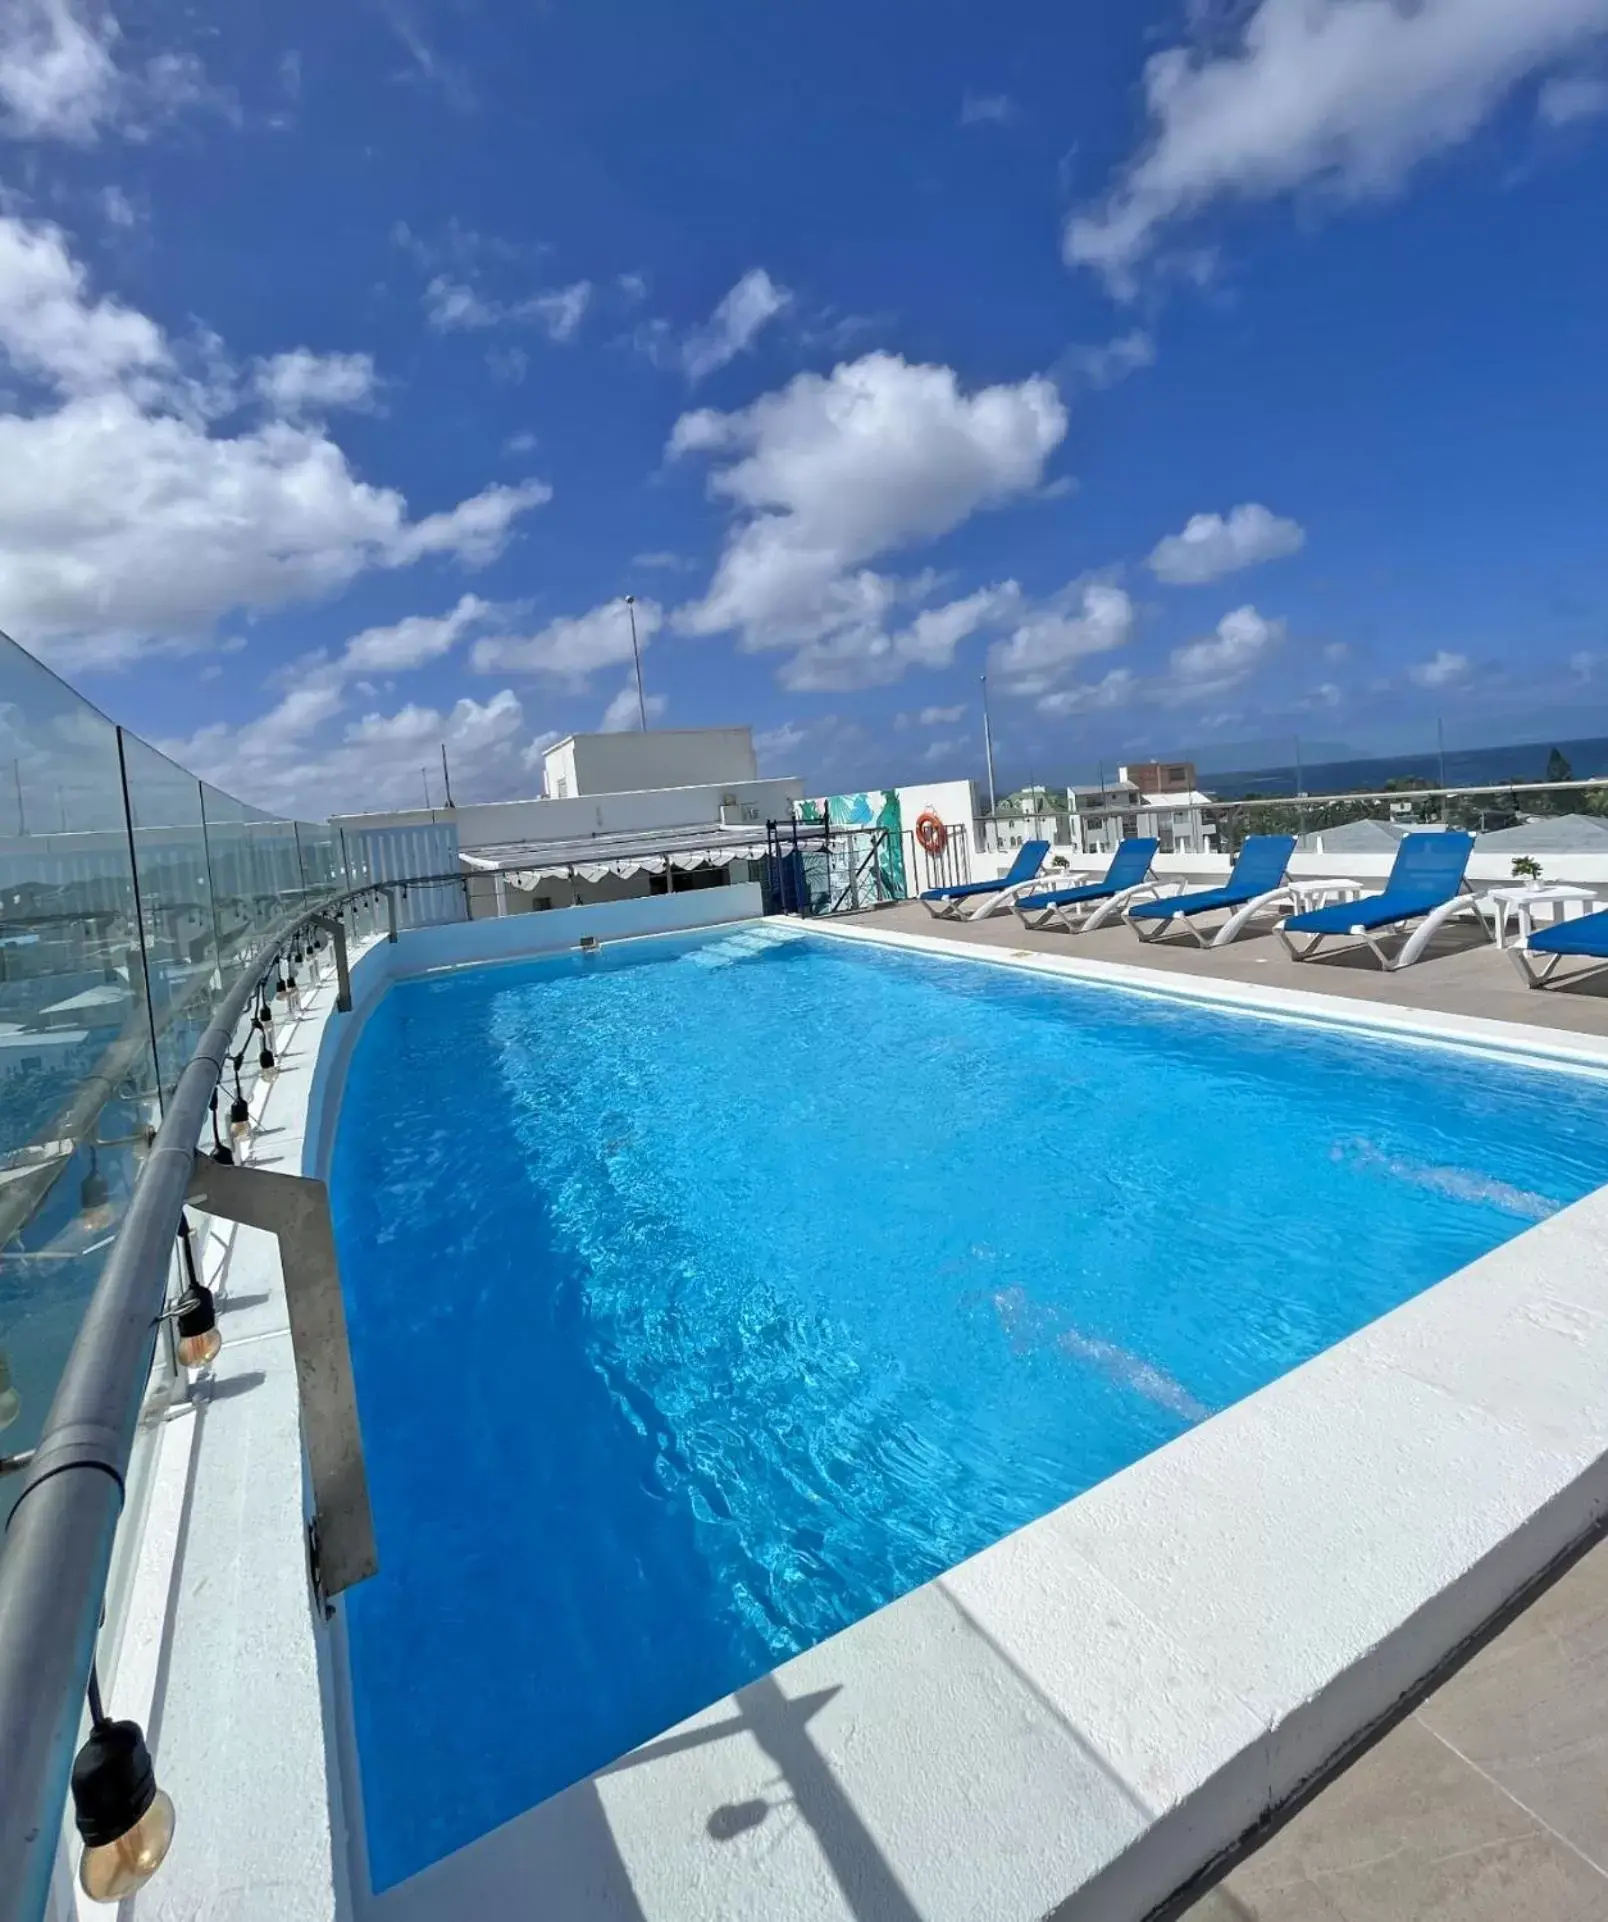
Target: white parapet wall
{"points": [[513, 937]]}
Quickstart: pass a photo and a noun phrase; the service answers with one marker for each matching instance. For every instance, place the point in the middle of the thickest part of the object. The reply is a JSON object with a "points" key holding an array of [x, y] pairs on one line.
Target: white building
{"points": [[1093, 820], [676, 757], [581, 842]]}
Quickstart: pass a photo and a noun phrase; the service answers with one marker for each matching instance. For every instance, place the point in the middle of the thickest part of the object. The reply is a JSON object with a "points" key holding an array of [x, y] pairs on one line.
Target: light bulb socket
{"points": [[239, 1115], [222, 1154], [114, 1783], [196, 1312], [265, 1060]]}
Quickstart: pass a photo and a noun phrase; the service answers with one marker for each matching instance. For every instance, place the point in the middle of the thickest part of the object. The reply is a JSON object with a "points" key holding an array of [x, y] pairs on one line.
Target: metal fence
{"points": [[814, 868], [944, 866]]}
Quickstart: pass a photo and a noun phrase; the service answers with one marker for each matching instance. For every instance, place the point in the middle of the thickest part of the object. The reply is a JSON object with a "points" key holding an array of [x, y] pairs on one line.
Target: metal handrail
{"points": [[58, 1544]]}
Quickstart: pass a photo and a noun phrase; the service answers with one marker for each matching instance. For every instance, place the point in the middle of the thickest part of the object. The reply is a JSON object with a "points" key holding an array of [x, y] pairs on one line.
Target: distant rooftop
{"points": [[1356, 837], [1550, 834]]}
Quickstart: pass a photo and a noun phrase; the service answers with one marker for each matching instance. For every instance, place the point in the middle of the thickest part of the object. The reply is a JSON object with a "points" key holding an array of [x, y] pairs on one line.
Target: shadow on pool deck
{"points": [[1490, 1802]]}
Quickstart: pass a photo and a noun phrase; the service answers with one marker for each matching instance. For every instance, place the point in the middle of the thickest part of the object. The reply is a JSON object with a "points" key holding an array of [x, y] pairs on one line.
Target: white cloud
{"points": [[574, 647], [118, 209], [939, 716], [412, 642], [1346, 94], [1114, 360], [663, 557], [456, 306], [1442, 669], [864, 655], [1571, 97], [127, 524], [775, 745], [302, 382], [1087, 618], [1242, 640], [50, 327], [735, 324], [291, 759], [987, 109], [834, 470], [562, 311], [508, 365], [59, 77], [624, 712], [428, 67], [1213, 545], [1116, 688], [453, 306]]}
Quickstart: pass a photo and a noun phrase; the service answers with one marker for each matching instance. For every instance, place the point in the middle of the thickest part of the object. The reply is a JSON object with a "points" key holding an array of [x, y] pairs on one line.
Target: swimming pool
{"points": [[708, 1293]]}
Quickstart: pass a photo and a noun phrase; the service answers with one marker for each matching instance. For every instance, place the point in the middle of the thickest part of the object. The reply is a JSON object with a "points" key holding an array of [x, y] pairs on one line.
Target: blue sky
{"points": [[1207, 374]]}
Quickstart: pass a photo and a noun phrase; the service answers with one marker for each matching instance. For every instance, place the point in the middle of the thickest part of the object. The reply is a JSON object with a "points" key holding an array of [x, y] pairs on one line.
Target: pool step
{"points": [[754, 940]]}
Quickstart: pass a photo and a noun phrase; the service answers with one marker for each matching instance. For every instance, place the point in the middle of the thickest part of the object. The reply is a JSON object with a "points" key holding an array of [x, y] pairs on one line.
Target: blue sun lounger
{"points": [[1256, 886], [1586, 937], [1426, 885], [971, 900], [1093, 903]]}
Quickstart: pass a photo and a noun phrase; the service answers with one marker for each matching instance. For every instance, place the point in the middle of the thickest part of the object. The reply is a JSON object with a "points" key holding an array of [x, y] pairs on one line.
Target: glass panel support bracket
{"points": [[295, 1209]]}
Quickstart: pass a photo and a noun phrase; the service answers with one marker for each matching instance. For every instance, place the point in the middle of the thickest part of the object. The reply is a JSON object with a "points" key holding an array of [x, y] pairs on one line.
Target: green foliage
{"points": [[1526, 868]]}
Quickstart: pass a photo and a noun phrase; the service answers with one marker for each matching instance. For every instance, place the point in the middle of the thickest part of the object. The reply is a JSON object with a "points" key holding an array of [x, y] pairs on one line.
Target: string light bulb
{"points": [[94, 1196], [125, 1820], [239, 1110], [267, 1066], [196, 1313]]}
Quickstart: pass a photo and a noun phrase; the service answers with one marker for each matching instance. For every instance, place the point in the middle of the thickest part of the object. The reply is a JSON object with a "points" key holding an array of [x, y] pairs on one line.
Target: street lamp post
{"points": [[988, 746], [636, 655]]}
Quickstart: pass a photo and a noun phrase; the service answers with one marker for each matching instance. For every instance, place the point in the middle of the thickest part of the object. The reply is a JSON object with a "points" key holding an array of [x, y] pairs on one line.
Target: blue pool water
{"points": [[706, 1295]]}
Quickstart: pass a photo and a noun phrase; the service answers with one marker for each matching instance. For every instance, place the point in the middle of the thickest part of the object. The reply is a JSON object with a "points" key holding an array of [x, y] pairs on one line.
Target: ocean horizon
{"points": [[1464, 767]]}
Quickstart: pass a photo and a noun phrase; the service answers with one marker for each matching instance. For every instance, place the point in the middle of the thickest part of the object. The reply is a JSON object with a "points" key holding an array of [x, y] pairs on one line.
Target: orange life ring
{"points": [[932, 834]]}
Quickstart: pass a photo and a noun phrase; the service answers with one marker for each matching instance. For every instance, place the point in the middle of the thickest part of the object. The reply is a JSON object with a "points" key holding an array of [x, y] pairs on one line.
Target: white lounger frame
{"points": [[1534, 976], [977, 907], [1464, 903], [1279, 900], [1083, 917]]}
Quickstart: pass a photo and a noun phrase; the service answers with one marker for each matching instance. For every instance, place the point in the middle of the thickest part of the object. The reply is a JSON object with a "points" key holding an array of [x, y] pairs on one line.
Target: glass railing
{"points": [[1531, 820], [131, 894]]}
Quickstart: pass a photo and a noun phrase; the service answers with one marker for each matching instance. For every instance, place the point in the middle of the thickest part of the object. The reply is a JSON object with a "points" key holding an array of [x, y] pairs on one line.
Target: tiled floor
{"points": [[1490, 1803]]}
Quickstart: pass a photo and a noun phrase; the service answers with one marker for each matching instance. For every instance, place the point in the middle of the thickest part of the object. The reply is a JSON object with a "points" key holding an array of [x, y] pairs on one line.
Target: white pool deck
{"points": [[1074, 1722]]}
